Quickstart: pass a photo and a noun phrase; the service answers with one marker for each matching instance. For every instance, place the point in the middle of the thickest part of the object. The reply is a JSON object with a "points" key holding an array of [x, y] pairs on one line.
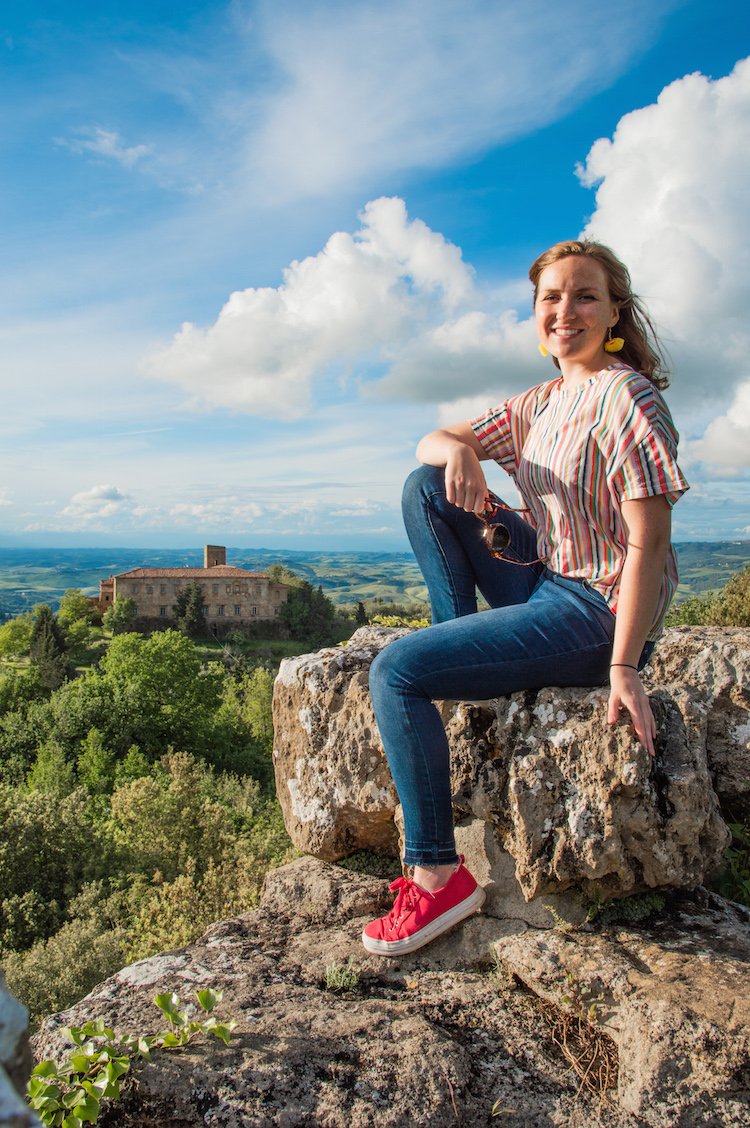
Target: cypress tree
{"points": [[48, 649]]}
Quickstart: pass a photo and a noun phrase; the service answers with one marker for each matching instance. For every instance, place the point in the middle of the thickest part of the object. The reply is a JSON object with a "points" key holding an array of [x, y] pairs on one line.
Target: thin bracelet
{"points": [[625, 666]]}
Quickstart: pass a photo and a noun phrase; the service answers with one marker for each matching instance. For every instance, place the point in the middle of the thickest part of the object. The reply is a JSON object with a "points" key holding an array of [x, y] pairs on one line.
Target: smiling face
{"points": [[573, 313]]}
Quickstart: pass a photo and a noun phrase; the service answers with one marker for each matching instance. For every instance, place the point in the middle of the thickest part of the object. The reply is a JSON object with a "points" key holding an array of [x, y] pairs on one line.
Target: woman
{"points": [[579, 594]]}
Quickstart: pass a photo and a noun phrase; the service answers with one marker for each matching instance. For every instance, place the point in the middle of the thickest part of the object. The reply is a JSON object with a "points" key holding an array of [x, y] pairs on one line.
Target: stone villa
{"points": [[233, 597]]}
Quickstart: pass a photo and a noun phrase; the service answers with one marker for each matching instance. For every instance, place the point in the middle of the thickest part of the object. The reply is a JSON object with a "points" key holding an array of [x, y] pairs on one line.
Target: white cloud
{"points": [[96, 503], [106, 143], [672, 202], [361, 297], [726, 440], [365, 87]]}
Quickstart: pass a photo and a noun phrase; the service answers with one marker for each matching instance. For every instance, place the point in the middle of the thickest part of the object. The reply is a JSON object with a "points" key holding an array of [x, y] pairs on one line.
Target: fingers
{"points": [[628, 693], [465, 484]]}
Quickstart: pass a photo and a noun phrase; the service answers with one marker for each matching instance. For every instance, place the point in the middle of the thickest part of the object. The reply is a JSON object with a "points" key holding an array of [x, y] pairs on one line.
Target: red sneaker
{"points": [[418, 916]]}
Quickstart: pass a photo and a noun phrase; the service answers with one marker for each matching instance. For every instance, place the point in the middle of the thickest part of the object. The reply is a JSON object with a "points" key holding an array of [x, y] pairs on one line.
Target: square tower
{"points": [[213, 555]]}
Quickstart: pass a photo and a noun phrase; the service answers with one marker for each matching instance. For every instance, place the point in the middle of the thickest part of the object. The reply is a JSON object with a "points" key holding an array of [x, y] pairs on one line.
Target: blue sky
{"points": [[253, 251]]}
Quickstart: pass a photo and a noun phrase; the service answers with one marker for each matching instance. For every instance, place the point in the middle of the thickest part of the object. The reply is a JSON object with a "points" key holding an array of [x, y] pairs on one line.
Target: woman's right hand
{"points": [[465, 484], [460, 452]]}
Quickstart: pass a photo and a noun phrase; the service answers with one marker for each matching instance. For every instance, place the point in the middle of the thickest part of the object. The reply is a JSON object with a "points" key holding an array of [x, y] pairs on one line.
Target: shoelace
{"points": [[406, 901]]}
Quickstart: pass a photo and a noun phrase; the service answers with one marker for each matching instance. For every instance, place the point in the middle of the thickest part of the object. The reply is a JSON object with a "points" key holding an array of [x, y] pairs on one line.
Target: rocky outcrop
{"points": [[675, 998], [15, 1062], [433, 1038], [578, 805], [707, 671]]}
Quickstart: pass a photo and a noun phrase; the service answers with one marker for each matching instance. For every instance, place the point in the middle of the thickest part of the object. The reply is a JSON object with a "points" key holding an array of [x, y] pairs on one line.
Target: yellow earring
{"points": [[544, 352], [613, 344]]}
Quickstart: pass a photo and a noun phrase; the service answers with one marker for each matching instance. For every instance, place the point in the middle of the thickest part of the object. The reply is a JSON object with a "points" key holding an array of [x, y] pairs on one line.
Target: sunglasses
{"points": [[497, 537]]}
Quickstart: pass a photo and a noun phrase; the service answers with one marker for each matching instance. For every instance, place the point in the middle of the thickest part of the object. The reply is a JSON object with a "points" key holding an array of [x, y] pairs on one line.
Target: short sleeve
{"points": [[646, 462], [502, 430], [493, 430]]}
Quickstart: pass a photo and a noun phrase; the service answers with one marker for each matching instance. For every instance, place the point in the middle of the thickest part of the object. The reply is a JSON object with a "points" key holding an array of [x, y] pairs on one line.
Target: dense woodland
{"points": [[136, 786]]}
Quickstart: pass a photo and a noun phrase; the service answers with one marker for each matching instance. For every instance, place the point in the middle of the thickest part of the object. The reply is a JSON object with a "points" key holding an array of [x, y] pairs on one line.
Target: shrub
{"points": [[57, 972], [729, 608], [49, 848]]}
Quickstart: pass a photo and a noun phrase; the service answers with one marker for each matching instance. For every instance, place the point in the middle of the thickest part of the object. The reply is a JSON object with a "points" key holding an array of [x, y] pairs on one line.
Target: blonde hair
{"points": [[641, 350]]}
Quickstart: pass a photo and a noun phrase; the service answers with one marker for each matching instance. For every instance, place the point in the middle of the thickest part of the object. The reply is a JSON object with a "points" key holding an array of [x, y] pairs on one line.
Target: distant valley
{"points": [[30, 576]]}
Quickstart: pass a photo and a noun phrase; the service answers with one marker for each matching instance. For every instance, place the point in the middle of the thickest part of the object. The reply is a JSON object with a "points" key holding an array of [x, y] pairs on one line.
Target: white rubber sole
{"points": [[435, 928]]}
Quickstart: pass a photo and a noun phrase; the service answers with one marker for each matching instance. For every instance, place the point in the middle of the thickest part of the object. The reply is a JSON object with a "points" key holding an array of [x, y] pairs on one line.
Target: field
{"points": [[30, 576]]}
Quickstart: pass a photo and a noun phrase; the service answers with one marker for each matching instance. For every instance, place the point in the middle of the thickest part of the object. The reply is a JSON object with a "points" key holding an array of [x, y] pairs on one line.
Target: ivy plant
{"points": [[70, 1093]]}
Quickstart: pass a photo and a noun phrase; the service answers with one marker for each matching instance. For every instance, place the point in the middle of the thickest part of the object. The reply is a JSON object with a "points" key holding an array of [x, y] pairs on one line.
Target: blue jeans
{"points": [[542, 629]]}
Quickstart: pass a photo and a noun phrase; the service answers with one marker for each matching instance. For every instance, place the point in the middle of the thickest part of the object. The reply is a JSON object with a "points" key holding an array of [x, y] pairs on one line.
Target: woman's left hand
{"points": [[626, 692]]}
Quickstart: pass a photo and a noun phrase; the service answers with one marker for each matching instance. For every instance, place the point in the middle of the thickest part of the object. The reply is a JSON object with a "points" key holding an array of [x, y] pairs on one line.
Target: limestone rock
{"points": [[576, 803], [332, 779], [710, 666], [579, 803], [429, 1039], [674, 996], [15, 1062]]}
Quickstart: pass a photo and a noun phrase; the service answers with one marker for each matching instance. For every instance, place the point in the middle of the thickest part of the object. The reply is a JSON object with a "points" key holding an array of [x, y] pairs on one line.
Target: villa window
{"points": [[257, 588], [221, 609], [149, 590], [163, 611], [275, 610], [236, 610], [254, 611], [163, 589], [204, 610], [135, 588]]}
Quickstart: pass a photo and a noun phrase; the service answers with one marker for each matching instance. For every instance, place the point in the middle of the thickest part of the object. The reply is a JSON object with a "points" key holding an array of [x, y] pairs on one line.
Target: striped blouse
{"points": [[575, 456]]}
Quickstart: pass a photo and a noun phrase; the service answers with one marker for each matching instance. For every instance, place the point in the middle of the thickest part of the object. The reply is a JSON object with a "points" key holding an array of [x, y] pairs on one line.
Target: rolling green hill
{"points": [[30, 576]]}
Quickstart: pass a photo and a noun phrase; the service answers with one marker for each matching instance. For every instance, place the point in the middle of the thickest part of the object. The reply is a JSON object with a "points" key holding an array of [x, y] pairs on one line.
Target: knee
{"points": [[424, 482], [386, 674]]}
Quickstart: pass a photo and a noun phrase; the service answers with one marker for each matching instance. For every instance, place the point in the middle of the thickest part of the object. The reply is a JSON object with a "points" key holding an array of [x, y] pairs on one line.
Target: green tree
{"points": [[257, 688], [15, 635], [161, 694], [361, 616], [75, 606], [122, 612], [188, 611], [308, 613], [48, 649]]}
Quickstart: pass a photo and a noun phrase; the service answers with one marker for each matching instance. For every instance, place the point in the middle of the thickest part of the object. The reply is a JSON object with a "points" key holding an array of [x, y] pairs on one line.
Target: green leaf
{"points": [[81, 1062], [73, 1034], [45, 1069], [117, 1067], [208, 998], [169, 1040], [224, 1031], [168, 1003], [96, 1028]]}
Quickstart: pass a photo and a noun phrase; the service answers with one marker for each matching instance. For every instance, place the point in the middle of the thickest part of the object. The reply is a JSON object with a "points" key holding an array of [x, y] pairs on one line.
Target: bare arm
{"points": [[460, 452], [648, 524]]}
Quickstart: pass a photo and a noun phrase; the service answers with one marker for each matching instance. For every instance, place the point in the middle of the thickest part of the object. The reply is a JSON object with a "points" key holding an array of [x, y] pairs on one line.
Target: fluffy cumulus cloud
{"points": [[395, 305], [361, 297], [97, 503], [672, 201]]}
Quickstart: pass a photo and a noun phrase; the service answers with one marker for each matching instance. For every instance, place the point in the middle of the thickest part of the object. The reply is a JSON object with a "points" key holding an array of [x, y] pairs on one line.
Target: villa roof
{"points": [[219, 571]]}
